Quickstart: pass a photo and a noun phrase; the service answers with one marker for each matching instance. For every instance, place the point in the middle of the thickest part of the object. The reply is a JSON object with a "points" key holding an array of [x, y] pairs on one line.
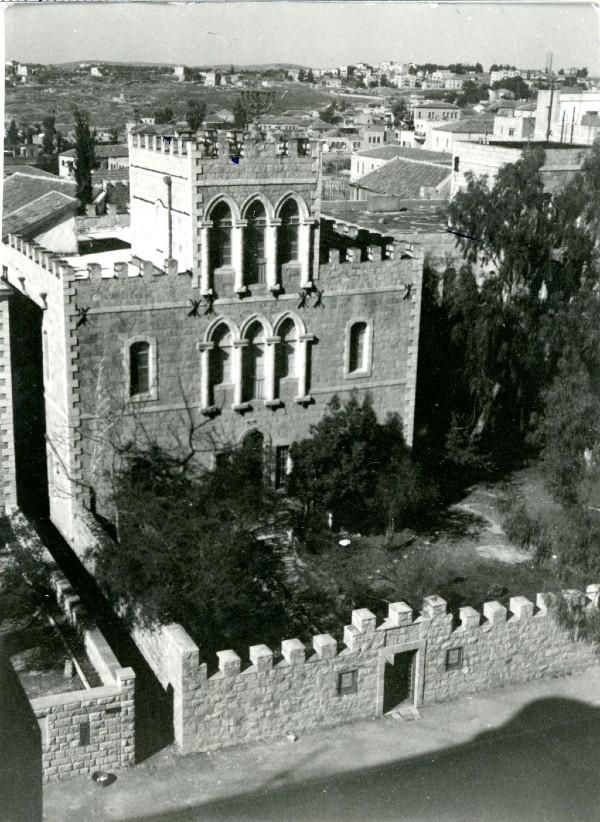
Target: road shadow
{"points": [[541, 766], [153, 705]]}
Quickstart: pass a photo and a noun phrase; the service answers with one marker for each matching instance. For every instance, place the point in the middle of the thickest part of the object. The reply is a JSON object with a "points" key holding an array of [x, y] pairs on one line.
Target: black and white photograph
{"points": [[300, 412]]}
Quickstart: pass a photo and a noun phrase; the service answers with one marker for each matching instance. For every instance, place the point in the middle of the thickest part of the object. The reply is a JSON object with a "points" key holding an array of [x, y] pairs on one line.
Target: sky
{"points": [[320, 34]]}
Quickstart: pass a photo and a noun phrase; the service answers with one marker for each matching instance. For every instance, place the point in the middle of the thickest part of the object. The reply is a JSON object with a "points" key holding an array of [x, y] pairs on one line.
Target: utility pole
{"points": [[549, 68]]}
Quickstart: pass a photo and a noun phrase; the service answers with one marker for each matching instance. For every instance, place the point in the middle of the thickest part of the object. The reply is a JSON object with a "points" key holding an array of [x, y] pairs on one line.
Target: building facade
{"points": [[237, 310]]}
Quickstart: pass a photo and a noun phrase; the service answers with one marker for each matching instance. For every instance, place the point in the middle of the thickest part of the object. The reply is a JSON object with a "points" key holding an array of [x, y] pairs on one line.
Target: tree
{"points": [[195, 114], [85, 159], [164, 115], [49, 134], [12, 135], [353, 466], [538, 252], [301, 75], [310, 77], [256, 103], [240, 117], [191, 548], [517, 85], [399, 110]]}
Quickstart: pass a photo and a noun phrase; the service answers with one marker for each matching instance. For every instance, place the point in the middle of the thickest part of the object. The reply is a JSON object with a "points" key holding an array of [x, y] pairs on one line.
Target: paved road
{"points": [[530, 753], [524, 772]]}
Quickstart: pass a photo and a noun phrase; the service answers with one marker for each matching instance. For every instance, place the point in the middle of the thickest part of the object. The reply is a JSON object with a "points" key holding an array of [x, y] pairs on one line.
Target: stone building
{"points": [[235, 310]]}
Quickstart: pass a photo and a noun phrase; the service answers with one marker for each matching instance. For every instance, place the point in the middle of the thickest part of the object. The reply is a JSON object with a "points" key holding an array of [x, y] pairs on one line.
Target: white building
{"points": [[572, 115]]}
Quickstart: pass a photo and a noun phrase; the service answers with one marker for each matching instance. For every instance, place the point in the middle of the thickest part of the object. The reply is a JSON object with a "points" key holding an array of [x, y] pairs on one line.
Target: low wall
{"points": [[85, 224], [93, 728], [299, 687]]}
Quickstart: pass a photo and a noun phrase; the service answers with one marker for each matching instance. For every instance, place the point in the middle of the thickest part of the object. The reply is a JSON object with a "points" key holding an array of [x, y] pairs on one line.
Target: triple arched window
{"points": [[219, 241], [253, 364], [287, 237], [255, 251], [255, 243], [257, 364]]}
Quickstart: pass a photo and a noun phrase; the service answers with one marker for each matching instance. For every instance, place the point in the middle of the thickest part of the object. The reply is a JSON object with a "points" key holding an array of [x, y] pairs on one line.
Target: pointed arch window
{"points": [[253, 364], [220, 237], [219, 360], [287, 240], [285, 353], [255, 244]]}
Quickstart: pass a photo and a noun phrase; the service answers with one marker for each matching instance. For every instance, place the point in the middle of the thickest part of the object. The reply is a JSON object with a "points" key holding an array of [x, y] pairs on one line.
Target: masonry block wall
{"points": [[92, 729], [8, 479], [159, 308], [268, 697], [46, 280], [295, 687]]}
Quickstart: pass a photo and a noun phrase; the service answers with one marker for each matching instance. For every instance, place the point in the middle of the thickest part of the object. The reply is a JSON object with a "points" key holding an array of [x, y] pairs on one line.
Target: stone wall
{"points": [[45, 279], [159, 308], [93, 728], [87, 224], [295, 687]]}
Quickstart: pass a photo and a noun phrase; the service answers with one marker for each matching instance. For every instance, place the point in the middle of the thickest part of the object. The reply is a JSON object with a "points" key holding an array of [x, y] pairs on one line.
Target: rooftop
{"points": [[33, 215], [416, 216], [102, 150], [436, 104], [27, 169], [404, 178], [21, 188], [473, 125], [416, 154]]}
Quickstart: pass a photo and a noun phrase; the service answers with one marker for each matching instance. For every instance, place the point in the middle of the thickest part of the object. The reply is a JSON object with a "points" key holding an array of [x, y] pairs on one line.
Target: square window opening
{"points": [[454, 659], [347, 682]]}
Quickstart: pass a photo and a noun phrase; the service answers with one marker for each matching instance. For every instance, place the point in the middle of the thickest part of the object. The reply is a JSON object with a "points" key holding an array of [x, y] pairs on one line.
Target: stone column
{"points": [[271, 342], [236, 370], [205, 273], [237, 256], [304, 250], [271, 252], [204, 348]]}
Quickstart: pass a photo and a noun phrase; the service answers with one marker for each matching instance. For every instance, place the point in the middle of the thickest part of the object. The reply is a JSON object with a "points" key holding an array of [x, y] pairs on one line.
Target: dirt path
{"points": [[491, 542]]}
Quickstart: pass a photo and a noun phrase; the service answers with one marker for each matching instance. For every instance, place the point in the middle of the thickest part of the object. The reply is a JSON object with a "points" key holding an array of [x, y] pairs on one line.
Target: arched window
{"points": [[139, 369], [219, 360], [285, 353], [253, 364], [357, 358], [254, 244], [287, 240], [219, 241]]}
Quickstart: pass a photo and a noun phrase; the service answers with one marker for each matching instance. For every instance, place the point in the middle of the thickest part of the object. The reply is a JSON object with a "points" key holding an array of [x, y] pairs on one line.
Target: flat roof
{"points": [[414, 216]]}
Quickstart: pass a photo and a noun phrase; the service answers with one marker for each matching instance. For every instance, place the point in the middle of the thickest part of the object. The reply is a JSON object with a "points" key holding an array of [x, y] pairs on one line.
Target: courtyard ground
{"points": [[464, 555]]}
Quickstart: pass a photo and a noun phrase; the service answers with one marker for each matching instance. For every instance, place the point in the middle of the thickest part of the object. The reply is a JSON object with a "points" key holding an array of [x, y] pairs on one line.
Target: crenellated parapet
{"points": [[47, 260], [215, 145]]}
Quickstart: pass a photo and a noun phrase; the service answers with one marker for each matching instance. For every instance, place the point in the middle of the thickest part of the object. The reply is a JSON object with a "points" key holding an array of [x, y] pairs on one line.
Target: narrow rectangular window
{"points": [[139, 368], [281, 465], [84, 733]]}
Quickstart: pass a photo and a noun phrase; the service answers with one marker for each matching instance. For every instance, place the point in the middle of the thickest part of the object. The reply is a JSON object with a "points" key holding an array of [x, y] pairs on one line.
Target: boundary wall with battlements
{"points": [[296, 687], [91, 729]]}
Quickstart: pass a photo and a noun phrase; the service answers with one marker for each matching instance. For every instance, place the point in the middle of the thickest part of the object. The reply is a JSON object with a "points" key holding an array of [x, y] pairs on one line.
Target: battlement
{"points": [[363, 632], [40, 256], [217, 145]]}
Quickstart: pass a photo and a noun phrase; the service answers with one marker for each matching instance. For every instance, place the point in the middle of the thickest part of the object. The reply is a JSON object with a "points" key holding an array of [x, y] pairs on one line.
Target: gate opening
{"points": [[399, 681]]}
